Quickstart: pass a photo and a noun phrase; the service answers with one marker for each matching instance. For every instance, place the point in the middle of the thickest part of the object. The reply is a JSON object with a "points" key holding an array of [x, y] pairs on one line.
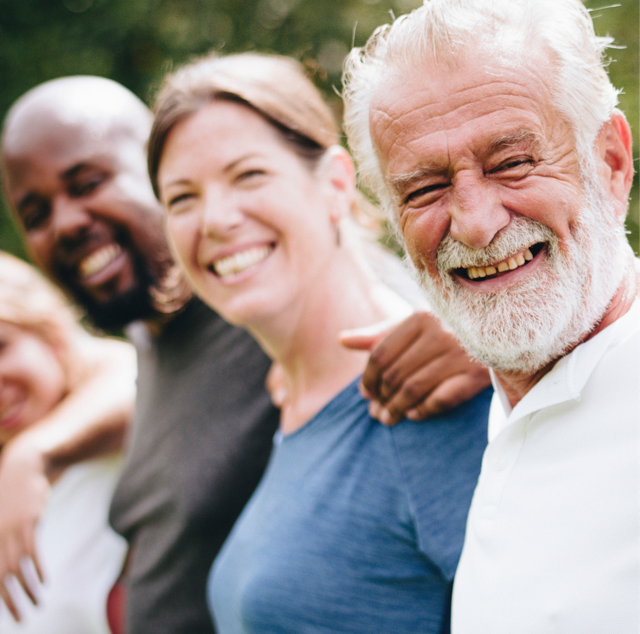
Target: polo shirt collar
{"points": [[566, 380]]}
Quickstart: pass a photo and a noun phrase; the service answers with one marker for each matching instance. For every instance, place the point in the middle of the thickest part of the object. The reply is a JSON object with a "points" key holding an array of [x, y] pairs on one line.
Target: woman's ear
{"points": [[614, 145], [341, 177]]}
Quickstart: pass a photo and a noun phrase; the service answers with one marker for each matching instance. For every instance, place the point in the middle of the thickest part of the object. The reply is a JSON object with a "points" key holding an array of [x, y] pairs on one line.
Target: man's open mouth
{"points": [[496, 269], [98, 260]]}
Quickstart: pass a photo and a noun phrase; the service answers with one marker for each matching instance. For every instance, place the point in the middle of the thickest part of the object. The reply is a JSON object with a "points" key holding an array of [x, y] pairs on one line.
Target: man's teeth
{"points": [[238, 262], [97, 260], [506, 265]]}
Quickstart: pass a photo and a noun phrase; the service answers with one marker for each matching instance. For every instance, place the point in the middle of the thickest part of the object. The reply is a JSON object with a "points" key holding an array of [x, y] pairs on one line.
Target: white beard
{"points": [[525, 327]]}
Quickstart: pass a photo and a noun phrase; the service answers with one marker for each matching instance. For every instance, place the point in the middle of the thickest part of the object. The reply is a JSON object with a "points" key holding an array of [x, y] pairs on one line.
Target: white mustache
{"points": [[520, 234]]}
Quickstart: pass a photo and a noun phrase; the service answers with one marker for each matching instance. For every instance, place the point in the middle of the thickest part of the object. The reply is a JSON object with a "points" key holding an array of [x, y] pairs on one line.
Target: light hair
{"points": [[443, 32], [275, 87], [29, 301]]}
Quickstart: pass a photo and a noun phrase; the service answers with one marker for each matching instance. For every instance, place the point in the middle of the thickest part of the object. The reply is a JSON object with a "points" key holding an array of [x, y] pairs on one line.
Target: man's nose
{"points": [[476, 211], [69, 218]]}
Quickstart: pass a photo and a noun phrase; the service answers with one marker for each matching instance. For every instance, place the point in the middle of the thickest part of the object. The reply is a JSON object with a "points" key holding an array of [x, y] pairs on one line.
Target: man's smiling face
{"points": [[494, 212], [90, 220]]}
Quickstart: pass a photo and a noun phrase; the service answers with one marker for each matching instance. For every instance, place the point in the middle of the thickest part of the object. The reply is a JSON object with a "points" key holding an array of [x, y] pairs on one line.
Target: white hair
{"points": [[442, 31]]}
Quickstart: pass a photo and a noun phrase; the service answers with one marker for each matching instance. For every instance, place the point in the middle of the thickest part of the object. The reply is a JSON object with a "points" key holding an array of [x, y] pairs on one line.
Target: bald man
{"points": [[75, 173]]}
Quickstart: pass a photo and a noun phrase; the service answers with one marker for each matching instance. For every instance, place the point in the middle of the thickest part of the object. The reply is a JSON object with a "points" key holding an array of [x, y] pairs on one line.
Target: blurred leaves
{"points": [[621, 22], [136, 41]]}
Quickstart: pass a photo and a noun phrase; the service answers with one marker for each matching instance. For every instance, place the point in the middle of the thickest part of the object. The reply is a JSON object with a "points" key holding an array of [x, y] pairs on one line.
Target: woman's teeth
{"points": [[506, 265], [238, 262], [97, 260]]}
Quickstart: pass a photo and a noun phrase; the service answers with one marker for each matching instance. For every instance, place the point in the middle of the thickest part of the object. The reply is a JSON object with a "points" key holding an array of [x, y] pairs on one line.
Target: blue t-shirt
{"points": [[355, 527]]}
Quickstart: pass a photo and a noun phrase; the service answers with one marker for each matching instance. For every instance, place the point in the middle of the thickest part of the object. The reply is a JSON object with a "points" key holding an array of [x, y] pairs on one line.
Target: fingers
{"points": [[385, 362], [17, 553], [416, 402], [8, 600], [29, 551], [413, 391], [24, 583], [419, 369], [449, 394], [9, 587], [38, 568], [415, 343], [13, 581], [366, 338]]}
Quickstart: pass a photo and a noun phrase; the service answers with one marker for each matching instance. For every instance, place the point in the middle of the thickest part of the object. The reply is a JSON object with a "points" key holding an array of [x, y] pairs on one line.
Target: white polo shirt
{"points": [[553, 535]]}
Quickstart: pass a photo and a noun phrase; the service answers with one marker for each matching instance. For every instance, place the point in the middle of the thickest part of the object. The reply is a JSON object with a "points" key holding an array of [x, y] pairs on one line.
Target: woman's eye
{"points": [[176, 200], [251, 174]]}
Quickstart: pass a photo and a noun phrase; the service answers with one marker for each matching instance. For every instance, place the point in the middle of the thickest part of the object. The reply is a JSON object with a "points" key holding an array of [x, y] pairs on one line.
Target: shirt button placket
{"points": [[498, 463]]}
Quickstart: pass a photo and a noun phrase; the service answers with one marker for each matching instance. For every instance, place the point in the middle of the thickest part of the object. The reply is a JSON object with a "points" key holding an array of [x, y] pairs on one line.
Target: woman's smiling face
{"points": [[32, 379], [248, 219]]}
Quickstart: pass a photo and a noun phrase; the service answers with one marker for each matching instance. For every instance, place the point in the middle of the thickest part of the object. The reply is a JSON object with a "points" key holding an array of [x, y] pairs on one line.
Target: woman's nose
{"points": [[220, 214]]}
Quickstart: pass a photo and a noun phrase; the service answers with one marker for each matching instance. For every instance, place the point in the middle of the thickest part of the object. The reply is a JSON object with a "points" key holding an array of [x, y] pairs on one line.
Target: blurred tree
{"points": [[136, 41]]}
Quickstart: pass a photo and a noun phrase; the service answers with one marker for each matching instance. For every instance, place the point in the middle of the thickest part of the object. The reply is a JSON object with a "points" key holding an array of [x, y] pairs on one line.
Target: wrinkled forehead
{"points": [[428, 98]]}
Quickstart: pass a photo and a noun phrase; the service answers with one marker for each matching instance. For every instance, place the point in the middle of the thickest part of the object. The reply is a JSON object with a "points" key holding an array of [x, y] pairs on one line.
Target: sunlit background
{"points": [[136, 41]]}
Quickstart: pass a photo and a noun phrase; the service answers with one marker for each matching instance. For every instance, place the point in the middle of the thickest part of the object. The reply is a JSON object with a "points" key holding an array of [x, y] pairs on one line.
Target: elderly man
{"points": [[74, 162], [489, 129]]}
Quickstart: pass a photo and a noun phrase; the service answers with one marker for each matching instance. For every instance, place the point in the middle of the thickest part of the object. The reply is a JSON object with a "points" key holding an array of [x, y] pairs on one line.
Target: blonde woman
{"points": [[44, 356], [355, 527]]}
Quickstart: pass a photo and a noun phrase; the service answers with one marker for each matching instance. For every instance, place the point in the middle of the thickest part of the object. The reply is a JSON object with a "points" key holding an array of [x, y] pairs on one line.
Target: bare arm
{"points": [[90, 421], [416, 369]]}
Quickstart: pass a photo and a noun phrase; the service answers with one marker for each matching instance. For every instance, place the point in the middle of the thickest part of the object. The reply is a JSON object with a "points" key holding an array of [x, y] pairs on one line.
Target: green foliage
{"points": [[621, 23], [136, 41]]}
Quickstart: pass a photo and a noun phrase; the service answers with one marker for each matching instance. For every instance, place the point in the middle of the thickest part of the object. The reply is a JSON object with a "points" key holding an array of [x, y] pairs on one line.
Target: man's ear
{"points": [[341, 176], [614, 146]]}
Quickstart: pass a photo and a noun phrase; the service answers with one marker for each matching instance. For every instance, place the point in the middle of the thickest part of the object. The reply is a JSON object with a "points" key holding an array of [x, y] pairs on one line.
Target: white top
{"points": [[80, 554], [553, 535]]}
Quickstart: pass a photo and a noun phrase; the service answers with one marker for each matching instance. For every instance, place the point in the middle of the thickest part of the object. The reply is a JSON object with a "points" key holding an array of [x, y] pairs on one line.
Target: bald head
{"points": [[75, 175], [95, 105]]}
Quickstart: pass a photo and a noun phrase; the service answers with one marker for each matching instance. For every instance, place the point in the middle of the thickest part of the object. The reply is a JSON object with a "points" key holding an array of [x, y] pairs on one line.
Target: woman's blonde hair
{"points": [[28, 300], [275, 87]]}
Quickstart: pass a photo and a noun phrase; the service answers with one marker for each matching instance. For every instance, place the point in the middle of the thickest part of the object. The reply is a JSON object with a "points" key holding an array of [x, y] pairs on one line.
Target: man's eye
{"points": [[86, 186], [424, 192], [34, 216], [520, 163]]}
